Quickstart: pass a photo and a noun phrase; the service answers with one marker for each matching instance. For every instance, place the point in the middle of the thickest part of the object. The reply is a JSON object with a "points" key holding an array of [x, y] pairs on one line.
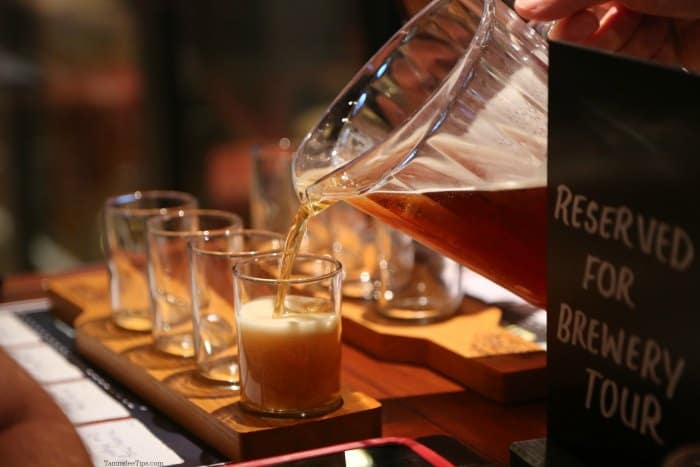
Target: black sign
{"points": [[623, 259]]}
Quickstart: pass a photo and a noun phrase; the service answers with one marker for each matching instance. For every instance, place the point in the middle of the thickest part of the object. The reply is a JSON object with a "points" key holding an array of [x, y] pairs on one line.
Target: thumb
{"points": [[548, 10]]}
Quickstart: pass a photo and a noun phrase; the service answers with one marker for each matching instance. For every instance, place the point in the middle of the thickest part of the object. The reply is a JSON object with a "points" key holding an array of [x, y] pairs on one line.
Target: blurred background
{"points": [[101, 97]]}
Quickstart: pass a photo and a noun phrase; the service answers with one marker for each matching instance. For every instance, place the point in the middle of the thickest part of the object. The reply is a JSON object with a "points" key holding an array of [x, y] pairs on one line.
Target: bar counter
{"points": [[415, 401]]}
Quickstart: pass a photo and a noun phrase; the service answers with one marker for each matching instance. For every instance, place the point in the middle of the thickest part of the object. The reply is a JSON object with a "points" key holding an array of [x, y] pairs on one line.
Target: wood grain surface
{"points": [[471, 348], [416, 401], [172, 384]]}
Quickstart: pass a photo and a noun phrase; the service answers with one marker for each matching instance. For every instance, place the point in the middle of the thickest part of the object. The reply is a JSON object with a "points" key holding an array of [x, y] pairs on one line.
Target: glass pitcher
{"points": [[442, 135]]}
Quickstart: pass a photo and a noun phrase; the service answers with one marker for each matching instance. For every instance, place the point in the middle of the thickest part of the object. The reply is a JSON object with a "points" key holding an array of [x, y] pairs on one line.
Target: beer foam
{"points": [[303, 316]]}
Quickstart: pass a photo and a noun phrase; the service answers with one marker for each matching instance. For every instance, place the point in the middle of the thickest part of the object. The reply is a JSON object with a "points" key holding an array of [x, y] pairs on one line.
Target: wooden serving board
{"points": [[471, 348], [172, 385]]}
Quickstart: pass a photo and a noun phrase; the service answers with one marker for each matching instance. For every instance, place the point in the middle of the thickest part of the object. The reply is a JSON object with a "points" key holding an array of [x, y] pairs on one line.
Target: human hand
{"points": [[666, 31]]}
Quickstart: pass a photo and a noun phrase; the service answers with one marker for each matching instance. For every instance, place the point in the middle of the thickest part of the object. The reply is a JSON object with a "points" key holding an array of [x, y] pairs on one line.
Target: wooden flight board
{"points": [[172, 385], [472, 348]]}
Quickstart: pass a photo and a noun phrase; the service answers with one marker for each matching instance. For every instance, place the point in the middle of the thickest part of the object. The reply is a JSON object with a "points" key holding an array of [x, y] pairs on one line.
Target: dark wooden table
{"points": [[416, 401]]}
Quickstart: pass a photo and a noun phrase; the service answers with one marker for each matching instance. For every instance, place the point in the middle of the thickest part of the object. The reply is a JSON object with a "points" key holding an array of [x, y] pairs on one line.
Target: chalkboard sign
{"points": [[623, 259]]}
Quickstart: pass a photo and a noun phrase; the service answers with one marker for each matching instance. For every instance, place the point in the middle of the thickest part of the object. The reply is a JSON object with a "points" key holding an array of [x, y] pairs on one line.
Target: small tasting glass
{"points": [[211, 259], [124, 243], [289, 364], [168, 272]]}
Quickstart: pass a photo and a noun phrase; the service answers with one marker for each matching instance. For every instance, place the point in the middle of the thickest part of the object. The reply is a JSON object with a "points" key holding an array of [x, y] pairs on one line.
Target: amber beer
{"points": [[500, 234], [289, 363]]}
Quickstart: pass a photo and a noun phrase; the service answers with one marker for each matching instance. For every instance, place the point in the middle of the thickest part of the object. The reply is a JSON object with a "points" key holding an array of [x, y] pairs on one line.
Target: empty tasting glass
{"points": [[432, 292], [342, 231], [355, 238], [273, 202], [212, 258], [168, 272], [124, 243], [289, 364]]}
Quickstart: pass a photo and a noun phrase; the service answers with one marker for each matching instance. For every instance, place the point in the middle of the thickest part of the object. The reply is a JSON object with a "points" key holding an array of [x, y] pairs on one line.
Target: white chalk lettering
{"points": [[592, 377], [610, 346], [608, 398], [663, 242], [579, 202], [650, 360], [593, 336], [632, 353], [668, 244], [674, 371], [629, 409], [588, 275], [611, 282], [565, 317], [563, 200], [682, 252], [606, 221], [615, 400], [623, 223], [590, 225], [646, 357], [646, 232], [651, 417], [580, 321]]}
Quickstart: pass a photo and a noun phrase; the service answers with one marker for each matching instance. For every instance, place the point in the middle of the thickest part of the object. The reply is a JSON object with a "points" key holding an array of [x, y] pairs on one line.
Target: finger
{"points": [[648, 39], [617, 27], [672, 8], [575, 28], [603, 9], [548, 10]]}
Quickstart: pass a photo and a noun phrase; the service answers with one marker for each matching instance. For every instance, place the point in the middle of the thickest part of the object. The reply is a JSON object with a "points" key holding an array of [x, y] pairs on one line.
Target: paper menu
{"points": [[44, 364], [101, 420], [125, 440], [83, 401], [13, 331]]}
